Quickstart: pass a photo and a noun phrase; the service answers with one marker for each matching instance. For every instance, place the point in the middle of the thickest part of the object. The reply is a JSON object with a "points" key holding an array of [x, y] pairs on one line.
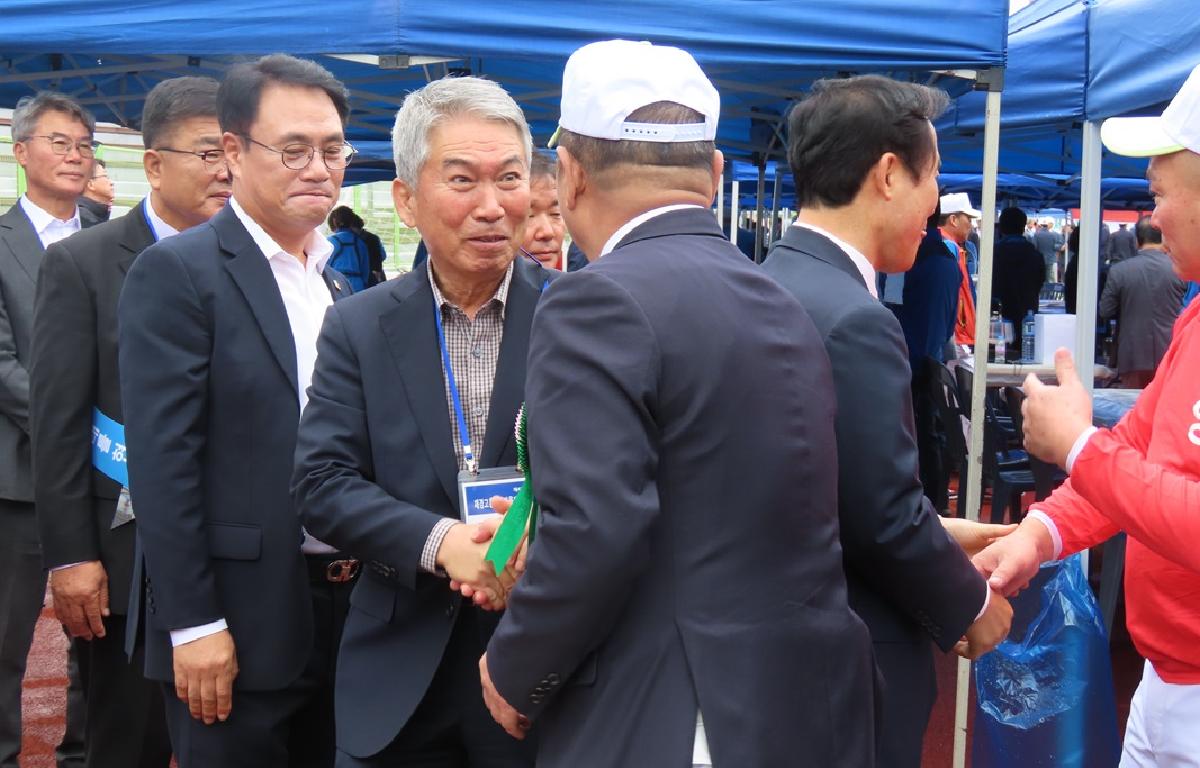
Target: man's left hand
{"points": [[513, 722], [1055, 416]]}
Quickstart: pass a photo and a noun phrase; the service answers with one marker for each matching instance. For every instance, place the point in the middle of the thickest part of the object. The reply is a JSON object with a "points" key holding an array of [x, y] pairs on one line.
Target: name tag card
{"points": [[475, 491]]}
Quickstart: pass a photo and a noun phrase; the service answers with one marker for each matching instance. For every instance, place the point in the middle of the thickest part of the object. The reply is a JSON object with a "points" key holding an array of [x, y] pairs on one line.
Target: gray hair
{"points": [[31, 108], [449, 97], [173, 101]]}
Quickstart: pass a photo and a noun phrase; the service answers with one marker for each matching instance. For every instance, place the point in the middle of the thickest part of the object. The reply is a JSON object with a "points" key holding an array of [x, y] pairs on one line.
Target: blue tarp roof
{"points": [[761, 54], [851, 34]]}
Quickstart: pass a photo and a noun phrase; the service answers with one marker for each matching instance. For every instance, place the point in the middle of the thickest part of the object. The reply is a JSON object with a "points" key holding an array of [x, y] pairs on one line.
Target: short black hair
{"points": [[843, 127], [173, 101], [1013, 221], [1146, 233], [344, 217], [241, 90]]}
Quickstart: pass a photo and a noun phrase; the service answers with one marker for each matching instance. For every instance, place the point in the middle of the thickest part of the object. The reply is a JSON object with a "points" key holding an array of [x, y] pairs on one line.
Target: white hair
{"points": [[441, 99]]}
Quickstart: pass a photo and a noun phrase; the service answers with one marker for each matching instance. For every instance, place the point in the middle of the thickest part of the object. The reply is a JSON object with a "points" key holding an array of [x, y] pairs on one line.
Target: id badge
{"points": [[475, 491], [124, 512]]}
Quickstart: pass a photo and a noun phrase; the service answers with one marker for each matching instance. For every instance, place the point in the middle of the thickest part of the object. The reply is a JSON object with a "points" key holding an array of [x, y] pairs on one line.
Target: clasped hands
{"points": [[462, 556]]}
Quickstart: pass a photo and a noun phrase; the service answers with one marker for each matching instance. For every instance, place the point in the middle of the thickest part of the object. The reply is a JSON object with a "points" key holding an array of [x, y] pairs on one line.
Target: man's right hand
{"points": [[1010, 563], [81, 598], [988, 631], [462, 556], [204, 673]]}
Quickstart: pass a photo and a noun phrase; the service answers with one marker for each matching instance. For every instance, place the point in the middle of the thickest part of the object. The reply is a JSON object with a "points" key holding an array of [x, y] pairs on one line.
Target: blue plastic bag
{"points": [[1045, 695]]}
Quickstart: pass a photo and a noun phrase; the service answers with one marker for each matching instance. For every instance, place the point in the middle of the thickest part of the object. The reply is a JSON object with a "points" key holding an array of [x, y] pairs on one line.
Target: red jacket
{"points": [[1143, 477]]}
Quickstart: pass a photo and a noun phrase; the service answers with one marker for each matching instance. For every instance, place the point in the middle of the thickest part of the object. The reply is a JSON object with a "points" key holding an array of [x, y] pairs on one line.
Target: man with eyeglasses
{"points": [[95, 204], [85, 516], [52, 142], [217, 339]]}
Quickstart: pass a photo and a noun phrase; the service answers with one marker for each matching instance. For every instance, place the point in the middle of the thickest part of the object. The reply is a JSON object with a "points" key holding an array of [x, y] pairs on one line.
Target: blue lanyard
{"points": [[146, 216], [463, 433]]}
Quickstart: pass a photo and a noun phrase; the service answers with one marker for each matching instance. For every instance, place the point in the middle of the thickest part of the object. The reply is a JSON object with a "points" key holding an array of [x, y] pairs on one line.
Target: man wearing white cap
{"points": [[957, 218], [1143, 476], [684, 601]]}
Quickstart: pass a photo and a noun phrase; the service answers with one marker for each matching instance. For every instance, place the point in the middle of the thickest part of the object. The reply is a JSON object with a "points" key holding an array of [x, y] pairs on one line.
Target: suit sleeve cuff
{"points": [[1045, 520], [434, 543], [987, 599], [182, 636], [1077, 448]]}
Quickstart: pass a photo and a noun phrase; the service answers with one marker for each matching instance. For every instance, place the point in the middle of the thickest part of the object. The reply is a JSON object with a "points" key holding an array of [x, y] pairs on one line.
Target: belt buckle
{"points": [[341, 571]]}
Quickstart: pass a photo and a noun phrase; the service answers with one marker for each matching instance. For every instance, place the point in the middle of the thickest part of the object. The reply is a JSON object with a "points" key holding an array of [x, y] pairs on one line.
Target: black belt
{"points": [[332, 568]]}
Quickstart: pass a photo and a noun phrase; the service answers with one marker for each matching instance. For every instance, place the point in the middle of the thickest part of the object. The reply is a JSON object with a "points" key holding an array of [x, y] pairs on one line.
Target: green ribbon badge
{"points": [[524, 510]]}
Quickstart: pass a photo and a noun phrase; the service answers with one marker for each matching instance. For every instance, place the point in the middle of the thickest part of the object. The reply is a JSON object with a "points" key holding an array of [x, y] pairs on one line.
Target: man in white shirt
{"points": [[218, 326], [52, 142]]}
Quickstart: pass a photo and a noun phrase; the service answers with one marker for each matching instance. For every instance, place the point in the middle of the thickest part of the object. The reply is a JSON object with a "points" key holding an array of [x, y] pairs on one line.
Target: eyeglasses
{"points": [[210, 157], [62, 145], [297, 156]]}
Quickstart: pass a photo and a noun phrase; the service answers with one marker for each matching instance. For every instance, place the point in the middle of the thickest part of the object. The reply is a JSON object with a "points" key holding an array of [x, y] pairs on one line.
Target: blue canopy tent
{"points": [[761, 54]]}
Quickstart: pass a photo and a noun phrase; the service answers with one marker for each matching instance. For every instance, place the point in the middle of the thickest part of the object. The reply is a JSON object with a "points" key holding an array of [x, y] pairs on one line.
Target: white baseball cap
{"points": [[604, 82], [959, 202], [1177, 129]]}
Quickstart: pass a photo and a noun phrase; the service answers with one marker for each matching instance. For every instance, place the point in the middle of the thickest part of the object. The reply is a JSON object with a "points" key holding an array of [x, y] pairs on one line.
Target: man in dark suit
{"points": [[217, 340], [95, 204], [416, 382], [1122, 245], [1017, 274], [87, 533], [1146, 296], [684, 593], [52, 142], [865, 158]]}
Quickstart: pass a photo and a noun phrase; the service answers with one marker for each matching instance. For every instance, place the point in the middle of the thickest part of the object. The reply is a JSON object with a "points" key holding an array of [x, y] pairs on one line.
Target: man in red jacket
{"points": [[1143, 476]]}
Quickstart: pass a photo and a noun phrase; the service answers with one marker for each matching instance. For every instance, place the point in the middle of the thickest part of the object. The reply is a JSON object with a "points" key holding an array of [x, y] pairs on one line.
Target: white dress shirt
{"points": [[159, 228], [49, 229], [305, 299]]}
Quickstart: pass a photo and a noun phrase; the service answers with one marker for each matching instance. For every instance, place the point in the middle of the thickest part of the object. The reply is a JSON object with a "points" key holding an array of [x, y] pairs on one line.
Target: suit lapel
{"points": [[17, 231], [411, 338], [508, 389], [136, 236], [250, 271], [803, 240]]}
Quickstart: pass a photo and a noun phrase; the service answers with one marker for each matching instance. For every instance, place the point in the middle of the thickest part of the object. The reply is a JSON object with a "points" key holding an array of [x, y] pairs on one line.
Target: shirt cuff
{"points": [[1077, 448], [181, 636], [1045, 520], [434, 543], [72, 565], [987, 599]]}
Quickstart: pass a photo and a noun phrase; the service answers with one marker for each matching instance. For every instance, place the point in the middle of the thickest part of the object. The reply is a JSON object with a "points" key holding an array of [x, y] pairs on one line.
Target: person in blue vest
{"points": [[350, 256]]}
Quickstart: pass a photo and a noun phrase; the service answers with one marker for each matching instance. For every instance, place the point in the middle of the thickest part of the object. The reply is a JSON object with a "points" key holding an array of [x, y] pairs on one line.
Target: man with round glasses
{"points": [[218, 330], [52, 142]]}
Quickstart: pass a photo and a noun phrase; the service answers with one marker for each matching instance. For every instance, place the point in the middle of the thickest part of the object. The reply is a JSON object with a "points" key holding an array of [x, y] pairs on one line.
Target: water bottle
{"points": [[1028, 337], [996, 339]]}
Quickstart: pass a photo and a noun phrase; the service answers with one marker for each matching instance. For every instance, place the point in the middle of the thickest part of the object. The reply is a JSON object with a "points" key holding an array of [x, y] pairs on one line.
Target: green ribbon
{"points": [[524, 509]]}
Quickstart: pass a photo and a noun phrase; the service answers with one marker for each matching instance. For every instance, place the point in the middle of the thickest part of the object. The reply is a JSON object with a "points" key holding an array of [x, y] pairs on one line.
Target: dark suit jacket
{"points": [[681, 425], [1146, 295], [1017, 276], [208, 383], [20, 260], [909, 581], [375, 471], [75, 369]]}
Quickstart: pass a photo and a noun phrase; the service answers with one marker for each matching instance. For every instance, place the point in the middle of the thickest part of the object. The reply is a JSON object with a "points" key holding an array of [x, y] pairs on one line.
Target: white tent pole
{"points": [[987, 236], [1089, 255], [760, 193], [774, 205], [733, 212]]}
